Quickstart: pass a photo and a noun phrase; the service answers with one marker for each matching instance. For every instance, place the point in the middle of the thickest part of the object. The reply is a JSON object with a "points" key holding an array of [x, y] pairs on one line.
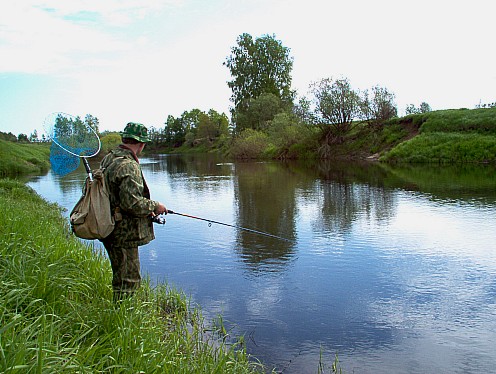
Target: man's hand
{"points": [[160, 209]]}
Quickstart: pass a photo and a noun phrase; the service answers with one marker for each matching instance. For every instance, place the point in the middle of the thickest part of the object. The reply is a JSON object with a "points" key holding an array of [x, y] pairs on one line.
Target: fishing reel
{"points": [[158, 219]]}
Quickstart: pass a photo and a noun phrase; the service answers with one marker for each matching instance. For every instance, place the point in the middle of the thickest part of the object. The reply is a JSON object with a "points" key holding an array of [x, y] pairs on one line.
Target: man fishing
{"points": [[130, 200]]}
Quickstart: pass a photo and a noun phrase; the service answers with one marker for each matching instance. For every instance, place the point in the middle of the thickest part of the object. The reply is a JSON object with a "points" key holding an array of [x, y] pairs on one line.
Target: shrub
{"points": [[109, 141], [250, 144]]}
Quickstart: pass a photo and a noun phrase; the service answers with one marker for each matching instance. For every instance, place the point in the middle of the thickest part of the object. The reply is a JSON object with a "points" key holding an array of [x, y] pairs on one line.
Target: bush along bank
{"points": [[57, 313]]}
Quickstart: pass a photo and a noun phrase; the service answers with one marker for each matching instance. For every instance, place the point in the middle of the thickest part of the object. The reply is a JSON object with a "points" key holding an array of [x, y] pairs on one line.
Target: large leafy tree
{"points": [[337, 105], [259, 66]]}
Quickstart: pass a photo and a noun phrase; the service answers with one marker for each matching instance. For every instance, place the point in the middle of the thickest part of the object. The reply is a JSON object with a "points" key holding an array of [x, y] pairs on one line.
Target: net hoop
{"points": [[53, 139], [72, 139]]}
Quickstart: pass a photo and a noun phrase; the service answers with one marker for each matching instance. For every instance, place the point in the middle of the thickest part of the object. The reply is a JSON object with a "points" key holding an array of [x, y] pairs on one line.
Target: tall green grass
{"points": [[481, 121], [444, 148], [447, 136], [17, 159], [57, 314]]}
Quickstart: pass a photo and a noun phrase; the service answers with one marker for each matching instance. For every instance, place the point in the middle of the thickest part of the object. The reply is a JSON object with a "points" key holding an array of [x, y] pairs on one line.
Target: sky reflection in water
{"points": [[394, 270]]}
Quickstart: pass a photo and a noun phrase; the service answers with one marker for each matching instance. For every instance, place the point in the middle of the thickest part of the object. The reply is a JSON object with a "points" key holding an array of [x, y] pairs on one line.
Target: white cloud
{"points": [[163, 57]]}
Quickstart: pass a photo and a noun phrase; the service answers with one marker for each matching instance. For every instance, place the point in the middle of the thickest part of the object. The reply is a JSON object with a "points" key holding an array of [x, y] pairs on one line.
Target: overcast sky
{"points": [[141, 60]]}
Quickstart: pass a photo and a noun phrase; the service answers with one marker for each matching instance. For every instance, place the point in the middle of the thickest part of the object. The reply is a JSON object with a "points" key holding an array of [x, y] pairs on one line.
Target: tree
{"points": [[195, 124], [260, 66], [175, 133], [486, 105], [424, 108], [259, 112], [33, 138], [303, 111], [380, 107], [22, 138], [92, 122], [8, 136], [337, 105]]}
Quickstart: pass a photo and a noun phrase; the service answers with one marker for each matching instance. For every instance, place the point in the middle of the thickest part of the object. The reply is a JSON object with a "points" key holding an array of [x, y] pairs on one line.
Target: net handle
{"points": [[87, 167]]}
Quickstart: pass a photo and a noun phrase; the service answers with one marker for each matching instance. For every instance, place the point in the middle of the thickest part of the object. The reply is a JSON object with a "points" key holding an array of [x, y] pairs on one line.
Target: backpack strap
{"points": [[117, 210]]}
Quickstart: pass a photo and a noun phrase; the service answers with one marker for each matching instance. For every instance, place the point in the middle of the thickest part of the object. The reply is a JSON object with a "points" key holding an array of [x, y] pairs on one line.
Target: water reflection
{"points": [[265, 199], [393, 268]]}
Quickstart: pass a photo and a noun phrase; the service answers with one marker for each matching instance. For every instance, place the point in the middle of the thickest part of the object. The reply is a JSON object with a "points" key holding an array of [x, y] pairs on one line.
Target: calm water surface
{"points": [[393, 269]]}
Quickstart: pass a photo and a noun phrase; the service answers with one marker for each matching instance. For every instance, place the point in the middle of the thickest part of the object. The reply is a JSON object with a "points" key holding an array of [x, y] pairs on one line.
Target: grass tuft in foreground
{"points": [[56, 313]]}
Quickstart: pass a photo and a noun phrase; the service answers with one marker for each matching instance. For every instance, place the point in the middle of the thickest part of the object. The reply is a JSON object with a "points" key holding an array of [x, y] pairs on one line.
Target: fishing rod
{"points": [[226, 224]]}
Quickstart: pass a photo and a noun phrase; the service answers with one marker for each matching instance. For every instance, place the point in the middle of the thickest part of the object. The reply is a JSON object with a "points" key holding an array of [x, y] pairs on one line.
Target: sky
{"points": [[143, 60]]}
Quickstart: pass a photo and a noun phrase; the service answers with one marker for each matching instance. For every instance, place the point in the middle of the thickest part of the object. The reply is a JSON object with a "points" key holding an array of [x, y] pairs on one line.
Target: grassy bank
{"points": [[447, 136], [56, 313], [19, 159]]}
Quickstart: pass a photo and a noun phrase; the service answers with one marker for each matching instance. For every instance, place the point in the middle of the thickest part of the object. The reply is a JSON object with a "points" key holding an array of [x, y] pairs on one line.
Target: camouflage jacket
{"points": [[129, 193]]}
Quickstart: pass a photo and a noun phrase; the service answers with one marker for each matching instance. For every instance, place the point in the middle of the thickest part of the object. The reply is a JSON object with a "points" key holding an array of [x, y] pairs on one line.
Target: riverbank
{"points": [[446, 136], [57, 310], [442, 136], [21, 159]]}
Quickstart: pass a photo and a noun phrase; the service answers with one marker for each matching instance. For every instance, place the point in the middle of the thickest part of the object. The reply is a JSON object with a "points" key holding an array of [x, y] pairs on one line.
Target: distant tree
{"points": [[260, 66], [33, 138], [22, 138], [8, 136], [212, 125], [380, 107], [156, 135], [92, 122], [486, 105], [423, 108], [195, 124], [337, 105], [175, 132]]}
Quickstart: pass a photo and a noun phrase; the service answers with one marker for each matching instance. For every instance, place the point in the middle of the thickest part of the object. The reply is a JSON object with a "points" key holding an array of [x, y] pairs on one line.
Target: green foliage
{"points": [[423, 108], [290, 138], [8, 136], [259, 112], [260, 66], [445, 148], [380, 107], [250, 144], [195, 128], [18, 159], [337, 106], [109, 141], [57, 314]]}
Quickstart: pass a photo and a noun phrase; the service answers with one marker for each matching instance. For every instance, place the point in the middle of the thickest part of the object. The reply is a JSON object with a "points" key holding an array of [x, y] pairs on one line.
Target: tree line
{"points": [[267, 109]]}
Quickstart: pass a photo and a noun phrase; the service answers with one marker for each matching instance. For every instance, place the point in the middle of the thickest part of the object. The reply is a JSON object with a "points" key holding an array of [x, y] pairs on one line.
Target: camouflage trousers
{"points": [[125, 264]]}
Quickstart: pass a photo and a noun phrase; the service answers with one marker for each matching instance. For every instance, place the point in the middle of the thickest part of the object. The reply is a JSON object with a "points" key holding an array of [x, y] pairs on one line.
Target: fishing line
{"points": [[210, 221]]}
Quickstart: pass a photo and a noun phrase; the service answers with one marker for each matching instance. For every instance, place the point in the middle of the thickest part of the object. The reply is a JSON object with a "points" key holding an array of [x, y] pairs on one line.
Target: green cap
{"points": [[136, 131]]}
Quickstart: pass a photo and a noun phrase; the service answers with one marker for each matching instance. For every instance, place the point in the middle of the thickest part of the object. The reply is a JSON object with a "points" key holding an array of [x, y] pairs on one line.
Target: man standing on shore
{"points": [[133, 209]]}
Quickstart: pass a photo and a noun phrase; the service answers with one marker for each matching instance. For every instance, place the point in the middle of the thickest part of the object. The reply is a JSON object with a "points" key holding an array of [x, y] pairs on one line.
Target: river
{"points": [[391, 268]]}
